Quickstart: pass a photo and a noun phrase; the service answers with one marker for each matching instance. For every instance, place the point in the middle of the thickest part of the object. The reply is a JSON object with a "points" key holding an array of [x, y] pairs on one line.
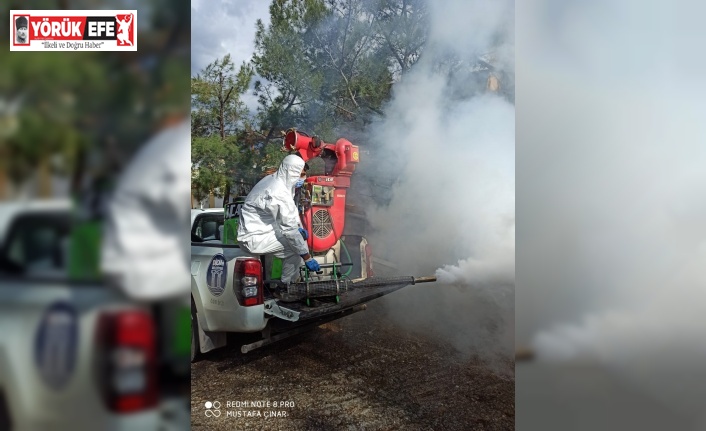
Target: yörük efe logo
{"points": [[75, 30]]}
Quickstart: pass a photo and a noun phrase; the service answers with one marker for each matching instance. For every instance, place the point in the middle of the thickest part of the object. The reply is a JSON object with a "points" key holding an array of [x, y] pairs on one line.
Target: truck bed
{"points": [[363, 292]]}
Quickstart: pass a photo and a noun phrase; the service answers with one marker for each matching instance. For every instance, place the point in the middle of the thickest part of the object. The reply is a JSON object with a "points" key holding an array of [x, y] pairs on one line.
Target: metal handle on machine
{"points": [[329, 265]]}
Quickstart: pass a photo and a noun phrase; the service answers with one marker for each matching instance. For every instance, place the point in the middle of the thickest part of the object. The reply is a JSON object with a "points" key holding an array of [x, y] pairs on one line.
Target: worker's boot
{"points": [[288, 293]]}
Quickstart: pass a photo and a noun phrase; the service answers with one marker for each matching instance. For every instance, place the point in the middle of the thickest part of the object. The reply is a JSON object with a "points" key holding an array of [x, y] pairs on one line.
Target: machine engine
{"points": [[324, 196]]}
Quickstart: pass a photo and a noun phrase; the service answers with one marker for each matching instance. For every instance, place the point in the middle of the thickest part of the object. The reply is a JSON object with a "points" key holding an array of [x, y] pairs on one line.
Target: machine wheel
{"points": [[195, 347]]}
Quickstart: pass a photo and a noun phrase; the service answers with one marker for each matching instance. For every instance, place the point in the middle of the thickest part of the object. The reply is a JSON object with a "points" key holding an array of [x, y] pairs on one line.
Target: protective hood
{"points": [[146, 248], [290, 171]]}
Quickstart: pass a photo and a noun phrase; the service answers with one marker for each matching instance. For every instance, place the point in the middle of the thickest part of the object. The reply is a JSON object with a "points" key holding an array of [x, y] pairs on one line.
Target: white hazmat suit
{"points": [[269, 221], [146, 248]]}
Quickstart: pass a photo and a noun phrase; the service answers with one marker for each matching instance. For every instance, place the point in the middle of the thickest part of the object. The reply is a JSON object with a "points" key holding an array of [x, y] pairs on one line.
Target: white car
{"points": [[74, 354], [232, 291]]}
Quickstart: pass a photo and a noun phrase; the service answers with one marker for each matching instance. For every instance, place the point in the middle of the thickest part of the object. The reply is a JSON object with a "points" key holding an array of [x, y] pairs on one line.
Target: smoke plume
{"points": [[611, 190], [450, 141]]}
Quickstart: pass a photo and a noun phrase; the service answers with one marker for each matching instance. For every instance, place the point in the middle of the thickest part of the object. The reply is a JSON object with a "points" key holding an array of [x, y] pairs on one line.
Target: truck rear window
{"points": [[207, 227], [36, 244]]}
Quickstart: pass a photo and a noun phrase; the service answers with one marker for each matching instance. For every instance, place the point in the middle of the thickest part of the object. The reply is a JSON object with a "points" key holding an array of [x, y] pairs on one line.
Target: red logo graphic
{"points": [[126, 29]]}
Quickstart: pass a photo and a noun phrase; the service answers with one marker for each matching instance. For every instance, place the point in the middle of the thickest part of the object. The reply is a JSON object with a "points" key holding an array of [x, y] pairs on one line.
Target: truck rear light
{"points": [[127, 361], [247, 284], [249, 281], [250, 291]]}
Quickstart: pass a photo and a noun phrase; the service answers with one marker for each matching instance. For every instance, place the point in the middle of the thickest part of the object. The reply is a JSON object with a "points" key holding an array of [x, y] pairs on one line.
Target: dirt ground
{"points": [[358, 373]]}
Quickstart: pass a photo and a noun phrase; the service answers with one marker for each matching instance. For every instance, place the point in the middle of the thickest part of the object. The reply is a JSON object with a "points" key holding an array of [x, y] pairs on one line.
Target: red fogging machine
{"points": [[322, 207], [324, 215]]}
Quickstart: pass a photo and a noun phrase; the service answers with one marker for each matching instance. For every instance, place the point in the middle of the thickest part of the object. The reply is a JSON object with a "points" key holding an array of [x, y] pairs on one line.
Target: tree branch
{"points": [[286, 109], [344, 109]]}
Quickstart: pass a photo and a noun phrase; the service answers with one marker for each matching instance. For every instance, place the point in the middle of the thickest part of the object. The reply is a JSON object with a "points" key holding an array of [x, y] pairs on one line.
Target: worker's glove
{"points": [[304, 233], [312, 265]]}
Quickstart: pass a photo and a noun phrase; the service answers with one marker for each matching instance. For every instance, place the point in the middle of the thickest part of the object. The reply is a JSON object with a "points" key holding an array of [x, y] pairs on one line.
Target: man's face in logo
{"points": [[22, 32]]}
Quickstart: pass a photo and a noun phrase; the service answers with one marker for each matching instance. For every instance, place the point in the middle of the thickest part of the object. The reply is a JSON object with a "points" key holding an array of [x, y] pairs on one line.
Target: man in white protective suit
{"points": [[146, 248], [269, 220]]}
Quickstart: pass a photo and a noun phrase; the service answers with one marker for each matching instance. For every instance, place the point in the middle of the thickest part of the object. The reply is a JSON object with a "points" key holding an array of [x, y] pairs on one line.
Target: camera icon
{"points": [[213, 409]]}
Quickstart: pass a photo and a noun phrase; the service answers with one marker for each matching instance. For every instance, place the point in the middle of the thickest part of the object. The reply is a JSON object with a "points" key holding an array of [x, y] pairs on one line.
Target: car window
{"points": [[208, 227], [37, 244]]}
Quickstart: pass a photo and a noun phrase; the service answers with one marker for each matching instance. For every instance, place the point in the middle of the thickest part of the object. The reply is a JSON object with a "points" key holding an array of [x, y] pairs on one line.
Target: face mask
{"points": [[299, 183]]}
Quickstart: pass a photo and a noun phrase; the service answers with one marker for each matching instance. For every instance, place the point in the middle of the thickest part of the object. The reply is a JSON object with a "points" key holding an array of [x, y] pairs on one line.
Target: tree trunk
{"points": [[77, 174], [221, 107], [226, 195], [4, 192], [4, 178], [44, 178]]}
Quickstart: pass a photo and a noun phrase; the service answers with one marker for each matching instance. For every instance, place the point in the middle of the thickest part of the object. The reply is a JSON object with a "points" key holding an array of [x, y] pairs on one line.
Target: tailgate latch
{"points": [[274, 309]]}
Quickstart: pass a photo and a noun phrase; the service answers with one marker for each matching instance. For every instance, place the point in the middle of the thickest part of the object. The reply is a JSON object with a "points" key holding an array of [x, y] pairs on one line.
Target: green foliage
{"points": [[55, 96], [357, 77], [211, 163], [401, 31], [330, 64], [217, 122], [215, 98], [273, 155], [324, 67], [292, 82]]}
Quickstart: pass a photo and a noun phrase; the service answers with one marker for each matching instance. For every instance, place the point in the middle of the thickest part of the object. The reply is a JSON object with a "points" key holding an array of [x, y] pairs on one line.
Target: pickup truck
{"points": [[73, 354], [235, 292]]}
